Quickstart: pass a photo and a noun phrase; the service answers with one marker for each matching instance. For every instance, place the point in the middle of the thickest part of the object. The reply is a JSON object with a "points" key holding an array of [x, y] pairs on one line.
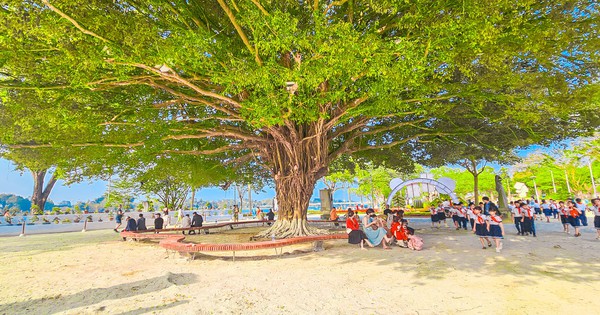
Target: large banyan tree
{"points": [[292, 85]]}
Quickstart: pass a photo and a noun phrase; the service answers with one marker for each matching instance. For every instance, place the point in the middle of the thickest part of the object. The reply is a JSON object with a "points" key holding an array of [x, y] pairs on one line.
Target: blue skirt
{"points": [[434, 218], [574, 221], [564, 219], [597, 222], [375, 236], [496, 231], [548, 212], [481, 230]]}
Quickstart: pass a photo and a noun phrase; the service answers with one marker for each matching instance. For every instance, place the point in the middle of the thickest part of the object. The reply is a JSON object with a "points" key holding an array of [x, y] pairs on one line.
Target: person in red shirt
{"points": [[400, 232], [574, 214], [355, 234]]}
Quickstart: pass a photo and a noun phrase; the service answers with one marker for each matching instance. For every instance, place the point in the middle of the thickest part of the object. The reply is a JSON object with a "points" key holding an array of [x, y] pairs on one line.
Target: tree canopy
{"points": [[293, 85]]}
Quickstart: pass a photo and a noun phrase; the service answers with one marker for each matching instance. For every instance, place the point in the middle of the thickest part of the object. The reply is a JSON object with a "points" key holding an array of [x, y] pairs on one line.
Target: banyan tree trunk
{"points": [[297, 165]]}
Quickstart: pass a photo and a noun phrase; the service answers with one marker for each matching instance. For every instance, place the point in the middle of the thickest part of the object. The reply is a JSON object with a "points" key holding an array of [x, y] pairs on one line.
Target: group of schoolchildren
{"points": [[387, 229], [485, 220], [571, 213]]}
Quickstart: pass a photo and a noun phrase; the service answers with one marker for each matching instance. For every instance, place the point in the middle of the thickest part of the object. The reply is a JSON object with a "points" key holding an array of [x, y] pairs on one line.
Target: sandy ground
{"points": [[95, 273]]}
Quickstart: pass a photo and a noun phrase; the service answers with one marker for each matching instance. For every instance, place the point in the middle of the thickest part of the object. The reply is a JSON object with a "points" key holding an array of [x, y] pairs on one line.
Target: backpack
{"points": [[415, 243]]}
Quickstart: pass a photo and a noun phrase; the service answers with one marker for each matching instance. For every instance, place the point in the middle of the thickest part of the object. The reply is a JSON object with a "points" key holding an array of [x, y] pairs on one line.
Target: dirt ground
{"points": [[96, 273]]}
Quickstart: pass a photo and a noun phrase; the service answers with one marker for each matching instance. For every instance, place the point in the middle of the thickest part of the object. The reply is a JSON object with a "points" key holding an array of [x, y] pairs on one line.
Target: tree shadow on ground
{"points": [[60, 303], [154, 309], [552, 254]]}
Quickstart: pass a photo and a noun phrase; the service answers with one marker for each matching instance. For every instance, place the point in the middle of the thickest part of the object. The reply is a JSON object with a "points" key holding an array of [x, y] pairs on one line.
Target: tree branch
{"points": [[340, 2], [77, 25], [226, 133], [260, 7], [342, 110], [193, 99], [172, 76], [49, 145], [222, 149], [239, 30]]}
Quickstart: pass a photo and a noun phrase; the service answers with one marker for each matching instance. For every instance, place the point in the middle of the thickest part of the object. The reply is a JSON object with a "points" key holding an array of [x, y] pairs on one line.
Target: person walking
{"points": [[517, 217], [480, 228], [487, 205], [118, 219], [495, 228], [582, 208], [574, 217], [166, 218]]}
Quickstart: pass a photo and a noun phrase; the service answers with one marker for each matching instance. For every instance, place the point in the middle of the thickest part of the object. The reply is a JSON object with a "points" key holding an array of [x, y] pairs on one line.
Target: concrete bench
{"points": [[175, 242]]}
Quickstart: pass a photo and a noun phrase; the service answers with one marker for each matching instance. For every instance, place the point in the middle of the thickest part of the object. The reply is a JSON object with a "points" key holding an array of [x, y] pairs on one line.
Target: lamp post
{"points": [[553, 184], [537, 196]]}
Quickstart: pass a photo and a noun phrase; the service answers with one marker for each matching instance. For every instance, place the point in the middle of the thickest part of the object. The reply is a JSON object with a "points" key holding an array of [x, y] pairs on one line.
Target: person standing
{"points": [[487, 205], [517, 217], [528, 220], [167, 219], [434, 217], [554, 208], [118, 219], [141, 223], [581, 207], [270, 216], [471, 215], [574, 217], [236, 213], [461, 212], [547, 210], [596, 209], [442, 214], [179, 217], [537, 210], [564, 216], [480, 228], [495, 228], [260, 215]]}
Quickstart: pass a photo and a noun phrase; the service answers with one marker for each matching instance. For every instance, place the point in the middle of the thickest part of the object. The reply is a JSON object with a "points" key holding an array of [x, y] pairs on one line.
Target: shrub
{"points": [[36, 210]]}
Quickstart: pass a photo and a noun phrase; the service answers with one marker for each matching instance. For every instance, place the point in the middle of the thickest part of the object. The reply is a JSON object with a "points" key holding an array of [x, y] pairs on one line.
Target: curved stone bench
{"points": [[175, 242]]}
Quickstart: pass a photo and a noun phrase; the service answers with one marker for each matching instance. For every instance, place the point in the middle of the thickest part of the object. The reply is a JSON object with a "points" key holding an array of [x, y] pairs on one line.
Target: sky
{"points": [[15, 182]]}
